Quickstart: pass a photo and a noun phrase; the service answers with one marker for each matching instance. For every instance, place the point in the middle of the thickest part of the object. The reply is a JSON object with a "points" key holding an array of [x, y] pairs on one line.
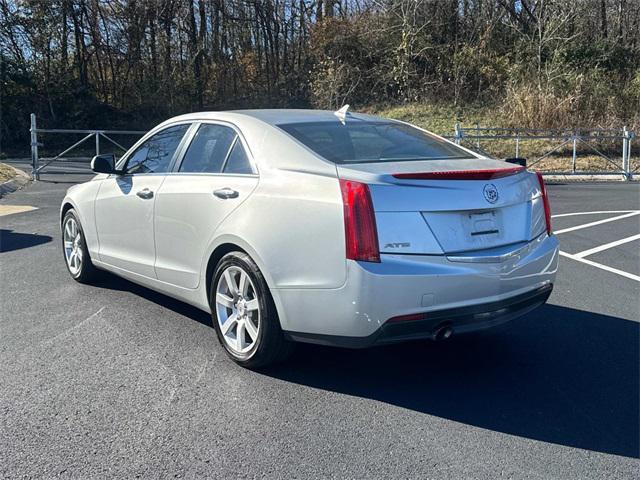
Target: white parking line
{"points": [[606, 246], [11, 209], [598, 222], [579, 257], [601, 266], [599, 212]]}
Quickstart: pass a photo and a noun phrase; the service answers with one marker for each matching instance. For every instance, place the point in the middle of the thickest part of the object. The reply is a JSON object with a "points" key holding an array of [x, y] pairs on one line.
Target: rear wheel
{"points": [[244, 315], [74, 248]]}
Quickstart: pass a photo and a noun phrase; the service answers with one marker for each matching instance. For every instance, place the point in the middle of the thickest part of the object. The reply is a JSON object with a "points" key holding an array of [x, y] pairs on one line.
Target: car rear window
{"points": [[369, 142]]}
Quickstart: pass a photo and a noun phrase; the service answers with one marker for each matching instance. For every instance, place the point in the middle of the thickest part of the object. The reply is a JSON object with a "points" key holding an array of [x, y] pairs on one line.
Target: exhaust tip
{"points": [[443, 333]]}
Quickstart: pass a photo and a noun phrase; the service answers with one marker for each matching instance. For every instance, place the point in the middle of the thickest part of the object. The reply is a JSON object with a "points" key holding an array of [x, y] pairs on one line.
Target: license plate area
{"points": [[483, 224], [466, 230]]}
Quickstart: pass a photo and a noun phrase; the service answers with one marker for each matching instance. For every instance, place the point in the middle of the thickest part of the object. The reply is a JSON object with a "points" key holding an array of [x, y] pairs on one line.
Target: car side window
{"points": [[208, 150], [155, 154], [238, 162]]}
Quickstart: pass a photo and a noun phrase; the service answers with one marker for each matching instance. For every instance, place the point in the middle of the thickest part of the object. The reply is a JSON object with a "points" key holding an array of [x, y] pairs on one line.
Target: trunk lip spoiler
{"points": [[483, 174]]}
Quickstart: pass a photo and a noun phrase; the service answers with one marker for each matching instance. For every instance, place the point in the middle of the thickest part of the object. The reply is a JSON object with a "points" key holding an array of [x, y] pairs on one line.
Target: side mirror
{"points": [[104, 163], [517, 161]]}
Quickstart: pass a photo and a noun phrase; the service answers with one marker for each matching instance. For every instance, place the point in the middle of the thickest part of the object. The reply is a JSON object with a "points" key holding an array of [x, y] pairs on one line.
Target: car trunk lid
{"points": [[435, 207]]}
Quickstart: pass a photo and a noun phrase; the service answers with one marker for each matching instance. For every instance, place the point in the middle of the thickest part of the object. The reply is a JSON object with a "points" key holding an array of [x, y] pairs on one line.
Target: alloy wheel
{"points": [[72, 239], [238, 310]]}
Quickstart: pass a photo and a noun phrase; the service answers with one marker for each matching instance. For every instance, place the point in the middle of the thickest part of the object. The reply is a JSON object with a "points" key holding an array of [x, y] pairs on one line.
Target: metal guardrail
{"points": [[565, 136], [477, 133], [36, 167]]}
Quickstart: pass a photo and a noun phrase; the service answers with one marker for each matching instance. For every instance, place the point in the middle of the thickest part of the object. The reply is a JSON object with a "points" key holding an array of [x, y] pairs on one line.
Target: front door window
{"points": [[156, 153]]}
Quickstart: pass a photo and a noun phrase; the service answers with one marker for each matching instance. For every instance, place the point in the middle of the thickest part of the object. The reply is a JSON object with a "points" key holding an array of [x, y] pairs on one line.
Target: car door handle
{"points": [[226, 193], [145, 194]]}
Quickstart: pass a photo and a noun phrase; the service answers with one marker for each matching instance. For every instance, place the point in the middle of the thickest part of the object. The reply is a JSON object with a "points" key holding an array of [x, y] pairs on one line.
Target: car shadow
{"points": [[10, 240], [557, 375], [113, 282]]}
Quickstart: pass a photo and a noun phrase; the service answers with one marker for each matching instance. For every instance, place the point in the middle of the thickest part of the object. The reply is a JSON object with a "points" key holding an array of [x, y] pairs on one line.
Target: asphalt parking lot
{"points": [[116, 380]]}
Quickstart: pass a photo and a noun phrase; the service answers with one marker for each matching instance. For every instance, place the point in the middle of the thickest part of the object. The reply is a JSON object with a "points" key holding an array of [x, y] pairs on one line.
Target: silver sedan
{"points": [[315, 226]]}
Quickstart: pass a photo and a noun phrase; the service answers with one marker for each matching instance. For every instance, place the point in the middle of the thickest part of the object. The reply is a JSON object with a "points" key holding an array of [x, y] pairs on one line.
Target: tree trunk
{"points": [[603, 18], [195, 55]]}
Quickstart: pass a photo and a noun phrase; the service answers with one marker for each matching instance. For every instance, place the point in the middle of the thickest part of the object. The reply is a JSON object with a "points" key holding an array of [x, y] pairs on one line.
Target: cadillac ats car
{"points": [[315, 226]]}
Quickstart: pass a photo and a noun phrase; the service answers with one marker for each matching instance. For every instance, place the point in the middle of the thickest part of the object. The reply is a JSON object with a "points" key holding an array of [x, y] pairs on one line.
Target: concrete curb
{"points": [[20, 180], [587, 178]]}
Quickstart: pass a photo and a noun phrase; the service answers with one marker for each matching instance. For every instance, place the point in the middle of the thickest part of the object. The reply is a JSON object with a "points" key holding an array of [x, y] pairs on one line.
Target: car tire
{"points": [[244, 314], [75, 251]]}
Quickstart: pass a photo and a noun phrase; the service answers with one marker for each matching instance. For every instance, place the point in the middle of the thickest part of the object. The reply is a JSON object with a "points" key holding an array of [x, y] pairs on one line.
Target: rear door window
{"points": [[370, 142], [209, 149], [238, 162]]}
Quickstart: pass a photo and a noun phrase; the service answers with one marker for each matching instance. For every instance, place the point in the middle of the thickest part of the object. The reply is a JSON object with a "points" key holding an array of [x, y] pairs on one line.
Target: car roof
{"points": [[274, 147], [279, 116]]}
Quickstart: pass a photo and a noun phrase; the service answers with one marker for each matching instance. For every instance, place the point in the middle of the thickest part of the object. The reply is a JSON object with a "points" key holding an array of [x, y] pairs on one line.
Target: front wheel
{"points": [[74, 248], [244, 314]]}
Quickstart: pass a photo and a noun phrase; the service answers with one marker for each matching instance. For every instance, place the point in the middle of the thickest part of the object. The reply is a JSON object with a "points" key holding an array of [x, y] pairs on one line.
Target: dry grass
{"points": [[442, 119], [536, 109], [6, 172]]}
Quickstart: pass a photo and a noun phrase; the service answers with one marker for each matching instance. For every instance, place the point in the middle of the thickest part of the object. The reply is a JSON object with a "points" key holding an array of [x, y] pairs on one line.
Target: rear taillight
{"points": [[545, 202], [361, 236]]}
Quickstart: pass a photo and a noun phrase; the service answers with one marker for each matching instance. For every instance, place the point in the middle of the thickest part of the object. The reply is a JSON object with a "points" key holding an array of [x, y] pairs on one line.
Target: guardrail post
{"points": [[97, 143], [478, 136], [625, 153], [34, 148], [457, 134], [632, 136], [517, 144], [573, 158]]}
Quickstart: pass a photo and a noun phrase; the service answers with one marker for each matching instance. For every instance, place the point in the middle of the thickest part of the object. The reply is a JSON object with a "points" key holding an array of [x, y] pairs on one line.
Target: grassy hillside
{"points": [[441, 119]]}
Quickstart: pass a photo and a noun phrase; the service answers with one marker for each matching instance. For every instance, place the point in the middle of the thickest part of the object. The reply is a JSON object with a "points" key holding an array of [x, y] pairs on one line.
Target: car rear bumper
{"points": [[456, 320], [466, 294]]}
